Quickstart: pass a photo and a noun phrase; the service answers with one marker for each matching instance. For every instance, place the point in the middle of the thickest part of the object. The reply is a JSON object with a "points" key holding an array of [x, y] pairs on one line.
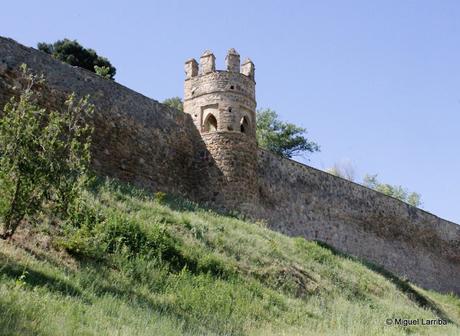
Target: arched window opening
{"points": [[244, 125], [210, 125]]}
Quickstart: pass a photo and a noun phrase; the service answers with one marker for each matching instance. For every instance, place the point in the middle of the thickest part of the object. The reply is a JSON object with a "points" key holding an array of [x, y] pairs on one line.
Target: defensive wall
{"points": [[141, 141], [136, 139], [303, 201]]}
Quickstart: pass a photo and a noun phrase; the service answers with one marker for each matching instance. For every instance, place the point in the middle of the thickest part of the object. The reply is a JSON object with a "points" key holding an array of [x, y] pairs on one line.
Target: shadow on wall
{"points": [[208, 178]]}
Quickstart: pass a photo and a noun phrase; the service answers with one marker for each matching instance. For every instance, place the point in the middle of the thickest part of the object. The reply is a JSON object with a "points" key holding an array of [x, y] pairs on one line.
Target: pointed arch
{"points": [[244, 125], [210, 124]]}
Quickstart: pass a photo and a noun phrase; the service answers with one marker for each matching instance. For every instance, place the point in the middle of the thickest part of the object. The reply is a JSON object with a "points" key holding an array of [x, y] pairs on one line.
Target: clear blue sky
{"points": [[376, 83]]}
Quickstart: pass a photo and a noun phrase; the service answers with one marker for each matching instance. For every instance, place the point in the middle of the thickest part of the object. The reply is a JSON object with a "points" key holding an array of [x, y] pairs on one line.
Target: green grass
{"points": [[136, 264]]}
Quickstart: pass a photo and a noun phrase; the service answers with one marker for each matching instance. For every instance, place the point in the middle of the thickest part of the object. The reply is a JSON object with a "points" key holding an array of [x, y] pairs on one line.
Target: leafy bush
{"points": [[174, 102], [44, 155], [74, 53], [98, 232], [395, 191], [117, 234]]}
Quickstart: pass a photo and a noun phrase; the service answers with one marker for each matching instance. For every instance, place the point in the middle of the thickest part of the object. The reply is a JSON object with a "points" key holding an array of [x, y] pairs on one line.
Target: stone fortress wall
{"points": [[136, 139], [148, 144], [303, 201]]}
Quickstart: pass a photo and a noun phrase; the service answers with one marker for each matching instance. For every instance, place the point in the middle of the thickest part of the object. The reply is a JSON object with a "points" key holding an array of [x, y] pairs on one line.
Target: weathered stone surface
{"points": [[228, 99], [231, 181], [302, 201], [136, 139], [146, 143], [248, 68], [230, 95]]}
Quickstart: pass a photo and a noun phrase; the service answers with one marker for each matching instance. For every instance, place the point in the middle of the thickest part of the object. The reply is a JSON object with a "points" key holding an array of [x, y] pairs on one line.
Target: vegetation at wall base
{"points": [[140, 263], [99, 257], [44, 154]]}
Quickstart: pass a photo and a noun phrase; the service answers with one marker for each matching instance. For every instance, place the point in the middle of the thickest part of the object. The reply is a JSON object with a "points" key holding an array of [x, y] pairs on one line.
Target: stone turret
{"points": [[222, 101], [222, 105]]}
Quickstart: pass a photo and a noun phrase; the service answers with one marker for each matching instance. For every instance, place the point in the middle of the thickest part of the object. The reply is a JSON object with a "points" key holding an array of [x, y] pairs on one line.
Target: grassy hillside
{"points": [[142, 264]]}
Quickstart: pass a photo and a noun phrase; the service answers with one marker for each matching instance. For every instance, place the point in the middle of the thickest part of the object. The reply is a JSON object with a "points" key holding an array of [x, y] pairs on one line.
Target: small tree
{"points": [[282, 138], [74, 53], [44, 155], [395, 191], [174, 102]]}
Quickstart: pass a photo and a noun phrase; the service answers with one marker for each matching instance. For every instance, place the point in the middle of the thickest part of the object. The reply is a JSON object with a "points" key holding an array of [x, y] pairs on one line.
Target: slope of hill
{"points": [[147, 264]]}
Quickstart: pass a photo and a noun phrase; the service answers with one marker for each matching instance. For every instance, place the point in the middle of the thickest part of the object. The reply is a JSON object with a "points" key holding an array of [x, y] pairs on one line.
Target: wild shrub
{"points": [[160, 197], [98, 234], [113, 234], [44, 155]]}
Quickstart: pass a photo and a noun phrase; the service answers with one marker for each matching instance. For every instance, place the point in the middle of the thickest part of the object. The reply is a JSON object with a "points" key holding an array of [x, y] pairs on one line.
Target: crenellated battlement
{"points": [[221, 100], [207, 65]]}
